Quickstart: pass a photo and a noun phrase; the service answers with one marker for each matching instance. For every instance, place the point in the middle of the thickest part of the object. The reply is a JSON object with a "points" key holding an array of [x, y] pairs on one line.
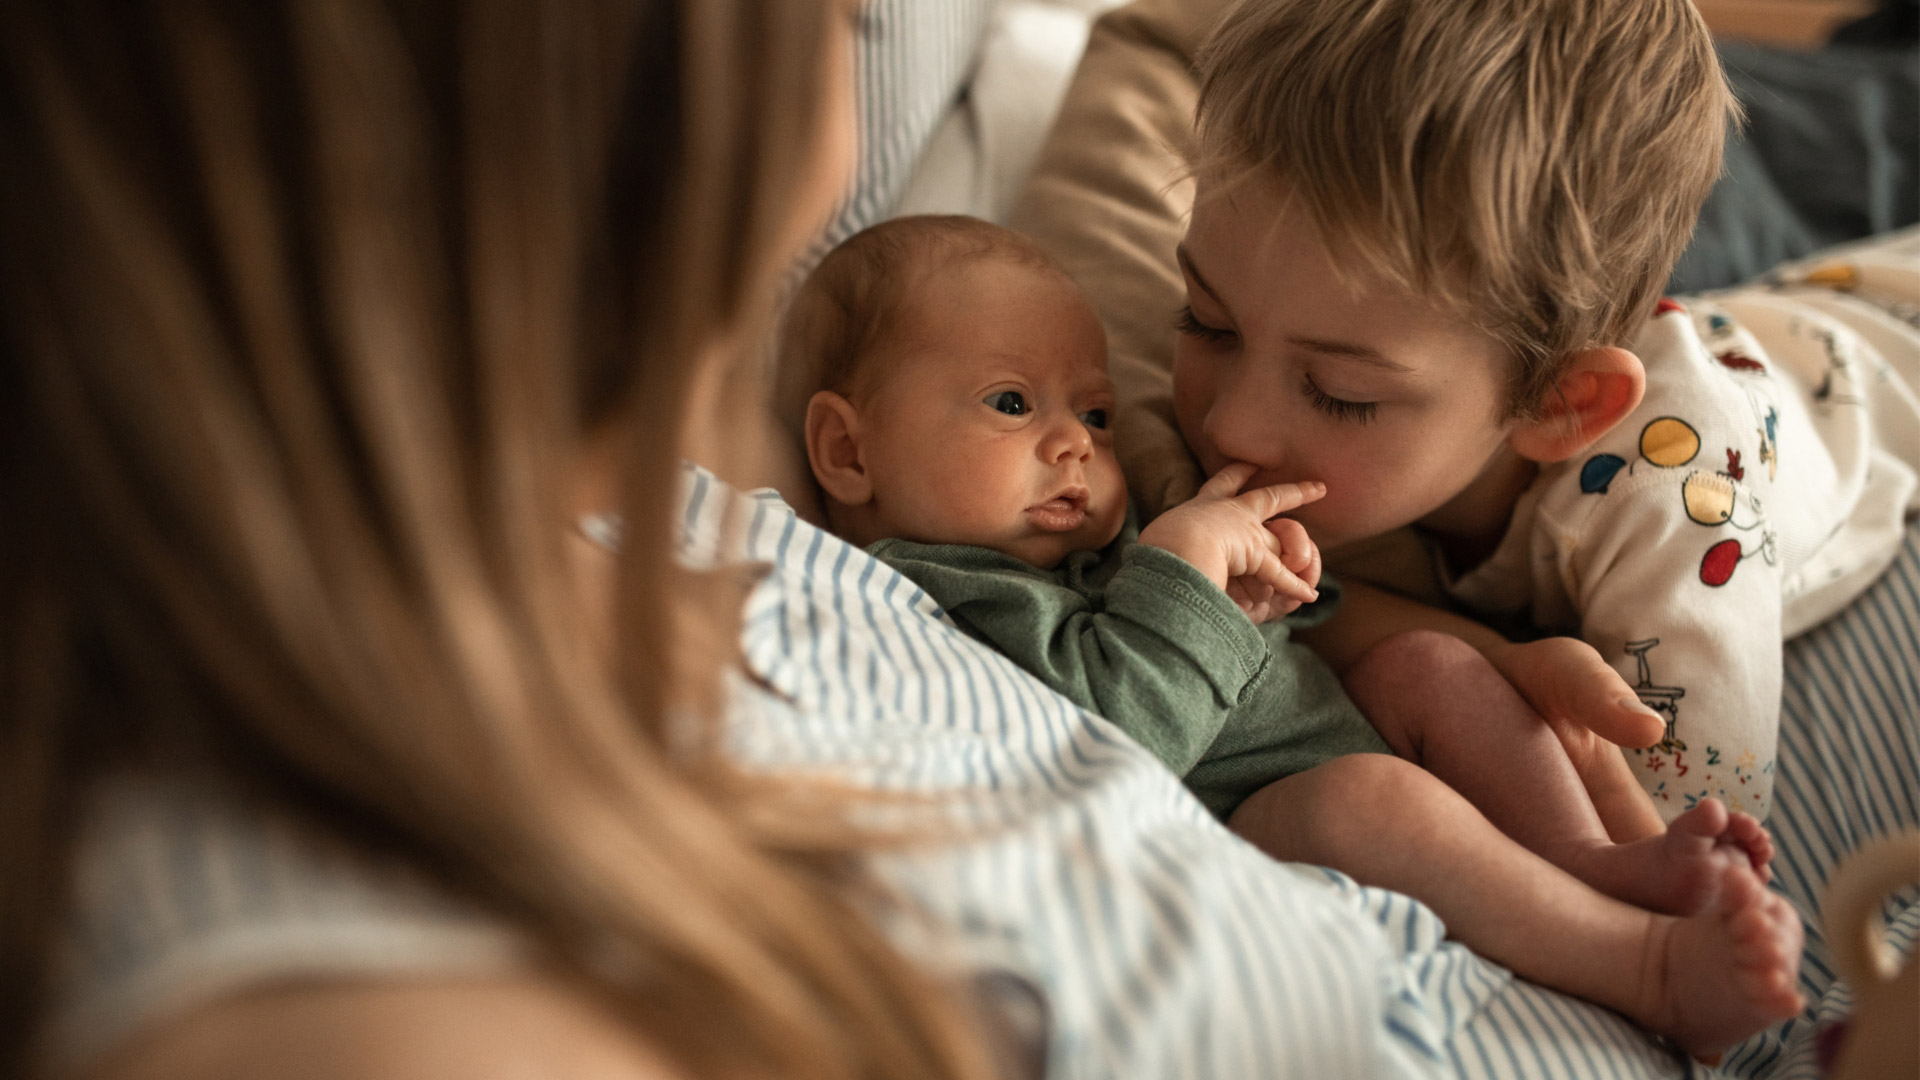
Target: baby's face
{"points": [[989, 423], [1395, 405]]}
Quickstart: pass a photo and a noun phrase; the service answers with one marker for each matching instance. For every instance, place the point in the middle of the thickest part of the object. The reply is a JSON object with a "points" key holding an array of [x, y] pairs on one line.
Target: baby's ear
{"points": [[1598, 389], [833, 449]]}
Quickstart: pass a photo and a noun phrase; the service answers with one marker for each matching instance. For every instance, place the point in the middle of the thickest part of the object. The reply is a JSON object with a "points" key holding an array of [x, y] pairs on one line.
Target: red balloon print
{"points": [[1719, 564]]}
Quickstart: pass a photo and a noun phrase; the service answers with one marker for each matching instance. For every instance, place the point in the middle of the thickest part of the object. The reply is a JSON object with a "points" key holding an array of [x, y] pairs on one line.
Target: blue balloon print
{"points": [[1719, 324], [1598, 472]]}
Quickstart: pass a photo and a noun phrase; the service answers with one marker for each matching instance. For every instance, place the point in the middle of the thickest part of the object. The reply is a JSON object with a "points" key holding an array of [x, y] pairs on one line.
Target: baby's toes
{"points": [[1746, 831], [1769, 987], [1767, 936], [1701, 827]]}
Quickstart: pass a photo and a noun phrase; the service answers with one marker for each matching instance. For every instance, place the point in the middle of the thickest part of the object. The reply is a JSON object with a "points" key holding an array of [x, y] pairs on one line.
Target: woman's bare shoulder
{"points": [[516, 1028]]}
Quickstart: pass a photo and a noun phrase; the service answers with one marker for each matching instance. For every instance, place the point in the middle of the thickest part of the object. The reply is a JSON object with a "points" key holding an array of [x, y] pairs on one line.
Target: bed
{"points": [[864, 673]]}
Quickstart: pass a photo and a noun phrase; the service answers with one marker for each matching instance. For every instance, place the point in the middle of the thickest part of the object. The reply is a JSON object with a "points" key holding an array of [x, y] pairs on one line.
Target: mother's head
{"points": [[320, 318]]}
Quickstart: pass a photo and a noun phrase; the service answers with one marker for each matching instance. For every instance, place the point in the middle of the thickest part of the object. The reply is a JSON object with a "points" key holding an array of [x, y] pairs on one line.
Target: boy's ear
{"points": [[1599, 387], [833, 449]]}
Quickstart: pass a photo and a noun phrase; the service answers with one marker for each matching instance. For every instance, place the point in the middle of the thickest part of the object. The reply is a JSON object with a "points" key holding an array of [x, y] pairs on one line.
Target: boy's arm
{"points": [[1690, 616], [1165, 658]]}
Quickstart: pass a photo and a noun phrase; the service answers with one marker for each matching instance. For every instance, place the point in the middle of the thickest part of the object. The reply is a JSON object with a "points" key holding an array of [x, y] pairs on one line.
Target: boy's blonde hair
{"points": [[1535, 166]]}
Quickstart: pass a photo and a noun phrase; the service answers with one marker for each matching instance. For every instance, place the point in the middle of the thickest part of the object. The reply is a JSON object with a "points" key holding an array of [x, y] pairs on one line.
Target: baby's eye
{"points": [[1095, 419], [1011, 402]]}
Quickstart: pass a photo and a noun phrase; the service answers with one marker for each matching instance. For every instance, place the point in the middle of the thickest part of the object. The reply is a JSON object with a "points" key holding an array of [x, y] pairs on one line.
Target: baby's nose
{"points": [[1067, 440]]}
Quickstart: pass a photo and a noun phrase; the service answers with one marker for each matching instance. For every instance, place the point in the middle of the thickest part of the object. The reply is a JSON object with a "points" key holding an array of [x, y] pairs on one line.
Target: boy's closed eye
{"points": [[1186, 322], [1358, 412]]}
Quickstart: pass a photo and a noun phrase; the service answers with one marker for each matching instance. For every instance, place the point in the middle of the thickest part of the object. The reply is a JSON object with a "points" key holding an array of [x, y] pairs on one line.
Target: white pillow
{"points": [[979, 155]]}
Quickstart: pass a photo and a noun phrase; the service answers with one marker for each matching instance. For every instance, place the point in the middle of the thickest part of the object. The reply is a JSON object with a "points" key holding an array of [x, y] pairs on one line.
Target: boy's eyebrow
{"points": [[1343, 349], [1186, 263], [1349, 351]]}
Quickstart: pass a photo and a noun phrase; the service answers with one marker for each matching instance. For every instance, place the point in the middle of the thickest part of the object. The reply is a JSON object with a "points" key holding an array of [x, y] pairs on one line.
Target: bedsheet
{"points": [[1164, 947]]}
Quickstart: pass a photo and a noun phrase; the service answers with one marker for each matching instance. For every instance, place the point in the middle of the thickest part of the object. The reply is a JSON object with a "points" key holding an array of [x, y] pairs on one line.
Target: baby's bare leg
{"points": [[1441, 705], [1707, 980], [1622, 804]]}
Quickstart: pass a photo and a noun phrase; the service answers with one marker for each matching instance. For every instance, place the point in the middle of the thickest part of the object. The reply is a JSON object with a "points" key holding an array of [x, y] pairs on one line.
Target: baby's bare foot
{"points": [[1677, 872], [1745, 832], [1717, 977]]}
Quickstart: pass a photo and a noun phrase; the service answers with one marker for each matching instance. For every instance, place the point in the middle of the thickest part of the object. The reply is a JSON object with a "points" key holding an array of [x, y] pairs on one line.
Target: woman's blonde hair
{"points": [[1535, 166], [311, 309]]}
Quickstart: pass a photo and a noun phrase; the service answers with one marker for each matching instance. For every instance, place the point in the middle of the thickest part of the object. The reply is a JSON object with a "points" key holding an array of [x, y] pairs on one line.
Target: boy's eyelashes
{"points": [[1358, 412], [1187, 323]]}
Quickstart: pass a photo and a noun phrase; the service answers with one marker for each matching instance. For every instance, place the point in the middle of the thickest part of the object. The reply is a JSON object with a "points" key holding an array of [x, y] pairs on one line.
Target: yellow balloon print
{"points": [[1834, 275], [1709, 498], [1669, 441]]}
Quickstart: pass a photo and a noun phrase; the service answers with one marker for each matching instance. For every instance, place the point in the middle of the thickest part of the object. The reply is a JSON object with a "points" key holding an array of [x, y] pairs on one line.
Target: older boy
{"points": [[1424, 265], [961, 432]]}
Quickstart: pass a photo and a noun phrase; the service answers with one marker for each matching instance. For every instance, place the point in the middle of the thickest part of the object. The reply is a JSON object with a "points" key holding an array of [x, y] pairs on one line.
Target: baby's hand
{"points": [[1569, 683], [1267, 567]]}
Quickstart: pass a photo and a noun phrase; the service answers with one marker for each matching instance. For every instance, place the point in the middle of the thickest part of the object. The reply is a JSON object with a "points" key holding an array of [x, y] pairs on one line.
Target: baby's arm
{"points": [[1267, 566], [1164, 655]]}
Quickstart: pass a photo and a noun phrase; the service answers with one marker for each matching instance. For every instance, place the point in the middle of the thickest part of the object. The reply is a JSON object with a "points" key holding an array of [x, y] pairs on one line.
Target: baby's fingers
{"points": [[1227, 482], [1297, 549], [1248, 594], [1274, 573], [1295, 546], [1265, 502]]}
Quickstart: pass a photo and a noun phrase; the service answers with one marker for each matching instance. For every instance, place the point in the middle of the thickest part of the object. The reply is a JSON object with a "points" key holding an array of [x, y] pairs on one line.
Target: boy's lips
{"points": [[1064, 512]]}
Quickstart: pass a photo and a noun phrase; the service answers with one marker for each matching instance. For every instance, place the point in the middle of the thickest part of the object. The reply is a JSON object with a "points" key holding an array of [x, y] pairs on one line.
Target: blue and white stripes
{"points": [[1162, 945], [1849, 772]]}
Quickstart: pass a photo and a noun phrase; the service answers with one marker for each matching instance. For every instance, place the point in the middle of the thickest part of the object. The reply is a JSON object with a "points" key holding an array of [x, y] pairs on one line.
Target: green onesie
{"points": [[1139, 636]]}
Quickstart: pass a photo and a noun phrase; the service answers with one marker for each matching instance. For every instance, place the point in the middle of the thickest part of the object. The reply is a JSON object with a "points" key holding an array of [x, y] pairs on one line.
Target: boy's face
{"points": [[1393, 404], [989, 424]]}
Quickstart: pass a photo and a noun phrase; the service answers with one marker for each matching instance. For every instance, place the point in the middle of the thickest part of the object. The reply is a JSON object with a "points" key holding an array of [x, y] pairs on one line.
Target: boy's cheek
{"points": [[1193, 394]]}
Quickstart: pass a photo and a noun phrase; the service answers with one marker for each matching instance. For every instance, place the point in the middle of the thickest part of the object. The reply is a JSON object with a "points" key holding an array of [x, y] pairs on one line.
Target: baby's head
{"points": [[1425, 229], [959, 392]]}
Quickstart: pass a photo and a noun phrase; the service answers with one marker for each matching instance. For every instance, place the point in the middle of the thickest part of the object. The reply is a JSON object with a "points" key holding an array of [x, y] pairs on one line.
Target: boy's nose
{"points": [[1243, 424]]}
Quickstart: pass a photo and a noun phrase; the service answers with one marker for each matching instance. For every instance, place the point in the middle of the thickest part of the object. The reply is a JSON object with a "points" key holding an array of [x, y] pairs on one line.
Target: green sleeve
{"points": [[1163, 653]]}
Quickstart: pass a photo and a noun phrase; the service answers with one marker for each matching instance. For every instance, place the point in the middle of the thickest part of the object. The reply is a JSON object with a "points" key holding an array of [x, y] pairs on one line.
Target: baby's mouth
{"points": [[1062, 513]]}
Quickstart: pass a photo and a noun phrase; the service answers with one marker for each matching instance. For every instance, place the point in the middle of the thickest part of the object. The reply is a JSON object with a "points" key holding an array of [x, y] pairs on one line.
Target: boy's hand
{"points": [[1590, 709], [1569, 683], [1267, 567]]}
